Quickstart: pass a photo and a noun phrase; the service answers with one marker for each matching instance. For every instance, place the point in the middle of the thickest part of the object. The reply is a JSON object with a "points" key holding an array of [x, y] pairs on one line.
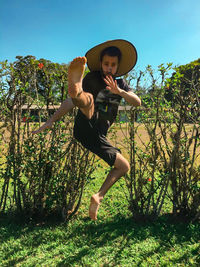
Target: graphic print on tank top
{"points": [[106, 107]]}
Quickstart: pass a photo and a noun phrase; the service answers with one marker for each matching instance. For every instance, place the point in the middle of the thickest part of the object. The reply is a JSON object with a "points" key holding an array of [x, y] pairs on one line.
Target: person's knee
{"points": [[122, 164], [90, 100], [126, 167], [88, 110]]}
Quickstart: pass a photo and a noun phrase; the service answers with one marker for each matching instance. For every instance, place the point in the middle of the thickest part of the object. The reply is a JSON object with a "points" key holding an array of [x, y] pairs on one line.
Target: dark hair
{"points": [[111, 51]]}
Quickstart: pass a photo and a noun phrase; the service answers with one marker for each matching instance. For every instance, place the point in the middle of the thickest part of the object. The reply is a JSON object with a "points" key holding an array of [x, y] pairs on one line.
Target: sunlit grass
{"points": [[113, 240]]}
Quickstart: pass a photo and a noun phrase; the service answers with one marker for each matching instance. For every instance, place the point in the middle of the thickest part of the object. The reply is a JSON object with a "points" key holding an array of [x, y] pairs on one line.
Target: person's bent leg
{"points": [[81, 99], [121, 167]]}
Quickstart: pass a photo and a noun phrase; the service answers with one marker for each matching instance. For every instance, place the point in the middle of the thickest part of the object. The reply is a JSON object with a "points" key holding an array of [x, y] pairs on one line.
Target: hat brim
{"points": [[128, 59]]}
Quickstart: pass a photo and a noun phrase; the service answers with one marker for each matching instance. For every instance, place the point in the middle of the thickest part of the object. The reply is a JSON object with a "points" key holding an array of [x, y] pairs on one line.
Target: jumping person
{"points": [[97, 97]]}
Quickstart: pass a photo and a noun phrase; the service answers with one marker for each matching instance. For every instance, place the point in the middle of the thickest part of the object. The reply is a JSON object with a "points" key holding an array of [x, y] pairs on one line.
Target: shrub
{"points": [[166, 167], [40, 174]]}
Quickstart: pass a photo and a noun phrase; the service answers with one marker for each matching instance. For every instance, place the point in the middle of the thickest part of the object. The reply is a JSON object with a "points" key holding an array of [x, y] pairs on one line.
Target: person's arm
{"points": [[129, 96], [65, 107]]}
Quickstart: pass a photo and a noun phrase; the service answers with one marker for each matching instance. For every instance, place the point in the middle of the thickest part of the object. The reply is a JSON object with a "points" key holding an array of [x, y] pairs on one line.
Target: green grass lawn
{"points": [[113, 240]]}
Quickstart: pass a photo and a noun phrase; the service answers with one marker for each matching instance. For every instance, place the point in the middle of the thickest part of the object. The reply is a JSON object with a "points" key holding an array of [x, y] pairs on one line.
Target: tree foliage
{"points": [[43, 80], [183, 86]]}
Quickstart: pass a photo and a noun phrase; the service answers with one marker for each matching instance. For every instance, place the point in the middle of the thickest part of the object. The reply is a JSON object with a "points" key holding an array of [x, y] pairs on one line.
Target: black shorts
{"points": [[87, 133]]}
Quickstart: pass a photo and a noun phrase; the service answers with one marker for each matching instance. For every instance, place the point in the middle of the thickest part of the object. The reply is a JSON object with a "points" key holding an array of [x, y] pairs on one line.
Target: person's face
{"points": [[109, 65]]}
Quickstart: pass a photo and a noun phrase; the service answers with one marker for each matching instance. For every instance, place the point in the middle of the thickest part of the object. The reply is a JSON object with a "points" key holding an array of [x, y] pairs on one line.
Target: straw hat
{"points": [[128, 59]]}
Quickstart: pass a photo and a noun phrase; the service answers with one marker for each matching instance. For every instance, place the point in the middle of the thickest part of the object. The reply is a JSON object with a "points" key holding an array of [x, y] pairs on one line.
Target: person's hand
{"points": [[112, 85], [47, 125]]}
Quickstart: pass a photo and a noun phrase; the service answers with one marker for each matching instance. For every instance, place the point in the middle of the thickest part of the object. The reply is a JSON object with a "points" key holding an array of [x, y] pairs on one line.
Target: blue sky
{"points": [[59, 30]]}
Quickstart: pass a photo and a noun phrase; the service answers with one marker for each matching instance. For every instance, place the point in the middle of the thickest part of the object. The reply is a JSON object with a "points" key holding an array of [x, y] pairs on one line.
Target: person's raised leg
{"points": [[121, 167], [81, 99]]}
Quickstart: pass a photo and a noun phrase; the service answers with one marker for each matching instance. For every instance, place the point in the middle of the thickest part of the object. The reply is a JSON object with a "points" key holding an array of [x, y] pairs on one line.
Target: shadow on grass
{"points": [[87, 237], [14, 225], [122, 233]]}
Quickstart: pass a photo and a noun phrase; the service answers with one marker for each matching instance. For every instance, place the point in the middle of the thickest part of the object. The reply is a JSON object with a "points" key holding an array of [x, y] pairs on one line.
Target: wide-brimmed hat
{"points": [[128, 58]]}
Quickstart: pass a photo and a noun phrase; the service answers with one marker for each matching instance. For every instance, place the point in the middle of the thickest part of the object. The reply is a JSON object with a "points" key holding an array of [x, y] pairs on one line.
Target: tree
{"points": [[43, 80], [185, 79]]}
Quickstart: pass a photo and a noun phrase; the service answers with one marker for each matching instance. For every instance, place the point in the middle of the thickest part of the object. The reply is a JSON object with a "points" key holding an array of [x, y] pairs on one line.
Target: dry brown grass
{"points": [[117, 136], [142, 138]]}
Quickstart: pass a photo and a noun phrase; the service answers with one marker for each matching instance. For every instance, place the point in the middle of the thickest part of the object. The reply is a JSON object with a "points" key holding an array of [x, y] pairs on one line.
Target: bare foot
{"points": [[75, 76], [94, 206]]}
